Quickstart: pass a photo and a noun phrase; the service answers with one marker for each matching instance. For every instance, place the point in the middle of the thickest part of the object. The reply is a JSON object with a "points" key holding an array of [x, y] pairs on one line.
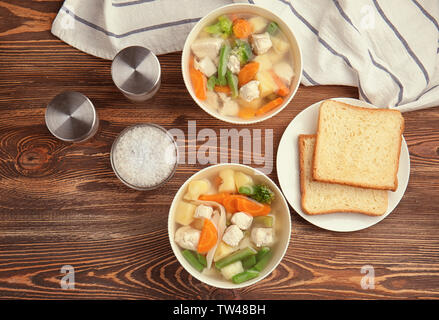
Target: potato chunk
{"points": [[259, 24], [242, 179], [280, 45], [265, 63], [254, 104], [185, 213], [223, 250], [197, 188], [266, 83], [232, 269], [228, 178]]}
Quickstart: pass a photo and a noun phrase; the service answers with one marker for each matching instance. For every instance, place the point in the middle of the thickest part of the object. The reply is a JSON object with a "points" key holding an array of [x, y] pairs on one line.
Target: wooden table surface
{"points": [[61, 204]]}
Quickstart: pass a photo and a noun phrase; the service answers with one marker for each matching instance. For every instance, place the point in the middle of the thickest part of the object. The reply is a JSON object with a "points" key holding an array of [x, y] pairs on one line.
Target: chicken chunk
{"points": [[230, 108], [242, 220], [233, 64], [250, 91], [207, 47], [212, 101], [233, 235], [187, 237], [203, 211], [223, 96], [262, 236], [284, 72], [261, 43], [206, 66]]}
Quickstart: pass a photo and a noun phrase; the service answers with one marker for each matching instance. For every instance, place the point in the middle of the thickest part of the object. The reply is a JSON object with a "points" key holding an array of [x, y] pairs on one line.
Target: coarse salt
{"points": [[144, 156]]}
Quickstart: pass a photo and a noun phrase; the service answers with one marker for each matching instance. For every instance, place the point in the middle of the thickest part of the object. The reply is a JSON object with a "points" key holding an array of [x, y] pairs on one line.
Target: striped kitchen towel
{"points": [[103, 27], [389, 49]]}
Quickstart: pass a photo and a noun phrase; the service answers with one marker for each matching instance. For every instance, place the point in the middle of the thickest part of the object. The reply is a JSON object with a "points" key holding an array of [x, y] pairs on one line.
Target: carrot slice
{"points": [[252, 207], [247, 113], [208, 237], [283, 90], [248, 73], [199, 81], [230, 203], [269, 106], [218, 197], [223, 89], [242, 28]]}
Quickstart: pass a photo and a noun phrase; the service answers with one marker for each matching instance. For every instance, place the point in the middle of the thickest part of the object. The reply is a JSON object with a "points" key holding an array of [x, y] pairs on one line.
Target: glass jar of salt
{"points": [[144, 156]]}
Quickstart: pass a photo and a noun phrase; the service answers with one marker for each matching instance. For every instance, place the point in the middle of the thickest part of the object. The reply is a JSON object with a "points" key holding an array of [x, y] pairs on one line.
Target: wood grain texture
{"points": [[61, 204]]}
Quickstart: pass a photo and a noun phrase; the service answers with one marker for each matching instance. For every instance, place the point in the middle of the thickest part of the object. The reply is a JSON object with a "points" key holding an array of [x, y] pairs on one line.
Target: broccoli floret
{"points": [[242, 50], [223, 27], [226, 25], [259, 192], [263, 194]]}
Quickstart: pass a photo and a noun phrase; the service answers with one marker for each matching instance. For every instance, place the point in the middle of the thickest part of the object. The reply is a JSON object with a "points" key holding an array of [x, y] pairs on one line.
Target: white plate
{"points": [[288, 173]]}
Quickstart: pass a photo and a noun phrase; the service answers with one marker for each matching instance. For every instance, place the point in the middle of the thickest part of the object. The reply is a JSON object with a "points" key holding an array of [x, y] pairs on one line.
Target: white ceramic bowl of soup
{"points": [[211, 18], [282, 225]]}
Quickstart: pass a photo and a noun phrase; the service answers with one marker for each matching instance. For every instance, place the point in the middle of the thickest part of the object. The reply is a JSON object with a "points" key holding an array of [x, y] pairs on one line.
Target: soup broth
{"points": [[225, 225], [241, 65]]}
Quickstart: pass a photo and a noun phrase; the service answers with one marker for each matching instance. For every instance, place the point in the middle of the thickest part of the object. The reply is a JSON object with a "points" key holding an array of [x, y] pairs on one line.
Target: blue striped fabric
{"points": [[390, 54], [103, 27], [131, 32], [403, 41], [126, 3]]}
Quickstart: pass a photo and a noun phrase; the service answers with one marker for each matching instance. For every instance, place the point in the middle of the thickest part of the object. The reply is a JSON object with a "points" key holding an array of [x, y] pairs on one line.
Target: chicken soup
{"points": [[225, 225], [241, 66]]}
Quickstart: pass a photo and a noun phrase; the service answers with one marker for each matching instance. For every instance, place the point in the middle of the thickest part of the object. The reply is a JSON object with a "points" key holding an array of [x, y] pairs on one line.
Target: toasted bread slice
{"points": [[358, 146], [322, 197]]}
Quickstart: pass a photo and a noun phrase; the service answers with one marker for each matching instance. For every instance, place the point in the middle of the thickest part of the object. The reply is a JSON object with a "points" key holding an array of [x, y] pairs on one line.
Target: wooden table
{"points": [[61, 204]]}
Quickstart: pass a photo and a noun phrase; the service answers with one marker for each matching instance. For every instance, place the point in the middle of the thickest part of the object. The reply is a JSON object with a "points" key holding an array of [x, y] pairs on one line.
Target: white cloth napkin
{"points": [[103, 27], [389, 49]]}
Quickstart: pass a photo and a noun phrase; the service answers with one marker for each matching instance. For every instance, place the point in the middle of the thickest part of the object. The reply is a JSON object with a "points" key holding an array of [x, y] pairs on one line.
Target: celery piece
{"points": [[262, 252], [263, 261], [193, 260], [222, 64], [247, 190], [202, 259], [266, 221], [249, 262], [236, 256], [211, 82], [245, 276], [272, 28], [232, 81]]}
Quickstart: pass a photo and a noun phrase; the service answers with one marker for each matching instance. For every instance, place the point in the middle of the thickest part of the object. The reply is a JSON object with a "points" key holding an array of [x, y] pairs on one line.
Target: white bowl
{"points": [[252, 9], [282, 225]]}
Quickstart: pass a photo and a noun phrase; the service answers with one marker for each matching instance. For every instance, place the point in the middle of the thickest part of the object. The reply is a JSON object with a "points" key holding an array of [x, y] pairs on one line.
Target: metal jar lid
{"points": [[71, 117], [136, 73]]}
